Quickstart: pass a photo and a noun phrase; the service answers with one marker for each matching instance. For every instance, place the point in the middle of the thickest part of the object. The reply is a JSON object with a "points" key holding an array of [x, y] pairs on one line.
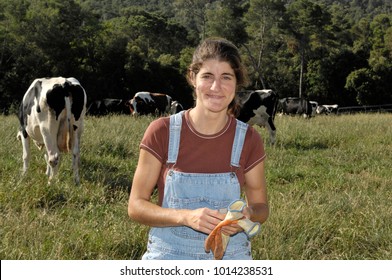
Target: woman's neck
{"points": [[208, 123]]}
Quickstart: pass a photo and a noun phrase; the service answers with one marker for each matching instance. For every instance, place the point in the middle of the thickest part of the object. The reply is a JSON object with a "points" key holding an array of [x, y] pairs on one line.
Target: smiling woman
{"points": [[196, 185], [215, 86], [220, 51]]}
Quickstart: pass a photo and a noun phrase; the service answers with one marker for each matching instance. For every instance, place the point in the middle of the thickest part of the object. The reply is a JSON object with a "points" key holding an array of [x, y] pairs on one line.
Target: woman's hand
{"points": [[203, 219], [235, 228]]}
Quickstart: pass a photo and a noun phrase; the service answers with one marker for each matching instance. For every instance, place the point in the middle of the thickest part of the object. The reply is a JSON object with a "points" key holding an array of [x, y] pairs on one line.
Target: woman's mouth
{"points": [[214, 96]]}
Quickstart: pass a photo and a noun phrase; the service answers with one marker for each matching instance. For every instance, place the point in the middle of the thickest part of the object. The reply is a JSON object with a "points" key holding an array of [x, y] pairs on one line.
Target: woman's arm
{"points": [[142, 210], [256, 194]]}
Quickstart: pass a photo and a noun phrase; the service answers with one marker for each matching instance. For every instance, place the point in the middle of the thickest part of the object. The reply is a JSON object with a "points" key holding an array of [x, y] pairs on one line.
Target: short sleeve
{"points": [[155, 139], [253, 150]]}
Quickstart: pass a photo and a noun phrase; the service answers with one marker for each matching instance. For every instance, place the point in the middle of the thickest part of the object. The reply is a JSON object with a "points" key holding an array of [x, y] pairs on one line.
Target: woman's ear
{"points": [[192, 78]]}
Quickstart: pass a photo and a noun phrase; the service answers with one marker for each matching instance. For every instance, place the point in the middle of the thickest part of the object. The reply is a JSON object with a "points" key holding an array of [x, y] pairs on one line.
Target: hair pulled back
{"points": [[222, 50]]}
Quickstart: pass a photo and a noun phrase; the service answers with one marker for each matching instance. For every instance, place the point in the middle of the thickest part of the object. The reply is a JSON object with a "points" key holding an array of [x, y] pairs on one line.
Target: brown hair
{"points": [[222, 50]]}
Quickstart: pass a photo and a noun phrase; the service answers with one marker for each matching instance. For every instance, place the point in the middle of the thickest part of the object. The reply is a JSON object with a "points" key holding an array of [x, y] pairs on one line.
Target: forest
{"points": [[328, 51]]}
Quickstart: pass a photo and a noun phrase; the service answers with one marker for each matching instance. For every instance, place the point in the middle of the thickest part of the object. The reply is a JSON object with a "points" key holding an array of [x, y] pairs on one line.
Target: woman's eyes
{"points": [[207, 77], [211, 77]]}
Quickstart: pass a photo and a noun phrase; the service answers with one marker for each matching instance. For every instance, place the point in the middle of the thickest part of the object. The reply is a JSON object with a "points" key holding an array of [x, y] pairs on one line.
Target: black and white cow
{"points": [[295, 106], [258, 107], [145, 103], [108, 106], [327, 109], [52, 114]]}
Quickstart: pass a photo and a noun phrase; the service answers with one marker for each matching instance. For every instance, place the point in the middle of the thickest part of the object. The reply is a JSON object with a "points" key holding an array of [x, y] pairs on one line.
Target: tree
{"points": [[372, 84], [364, 83], [380, 55], [307, 35], [116, 47], [192, 15], [262, 20], [153, 48], [42, 38], [224, 19]]}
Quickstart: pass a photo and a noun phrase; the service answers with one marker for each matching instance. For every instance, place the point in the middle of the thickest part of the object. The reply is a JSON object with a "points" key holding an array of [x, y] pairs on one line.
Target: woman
{"points": [[201, 160]]}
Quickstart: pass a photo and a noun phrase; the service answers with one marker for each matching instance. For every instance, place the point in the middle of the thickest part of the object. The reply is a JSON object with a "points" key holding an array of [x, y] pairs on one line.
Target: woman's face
{"points": [[215, 85]]}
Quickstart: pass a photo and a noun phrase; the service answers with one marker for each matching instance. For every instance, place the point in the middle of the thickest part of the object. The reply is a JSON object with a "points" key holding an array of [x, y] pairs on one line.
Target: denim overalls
{"points": [[192, 191]]}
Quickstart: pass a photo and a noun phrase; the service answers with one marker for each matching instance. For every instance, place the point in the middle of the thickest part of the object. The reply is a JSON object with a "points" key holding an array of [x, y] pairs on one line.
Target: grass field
{"points": [[329, 185]]}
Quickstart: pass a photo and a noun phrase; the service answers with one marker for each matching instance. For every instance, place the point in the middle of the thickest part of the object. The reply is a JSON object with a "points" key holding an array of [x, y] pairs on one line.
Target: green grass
{"points": [[329, 185]]}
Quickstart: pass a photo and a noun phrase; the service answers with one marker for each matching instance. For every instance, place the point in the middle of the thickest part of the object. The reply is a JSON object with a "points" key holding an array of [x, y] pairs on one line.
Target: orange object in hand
{"points": [[217, 241]]}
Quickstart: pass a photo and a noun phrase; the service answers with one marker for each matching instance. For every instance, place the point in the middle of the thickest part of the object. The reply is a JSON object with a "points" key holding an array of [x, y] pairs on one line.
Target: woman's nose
{"points": [[216, 84]]}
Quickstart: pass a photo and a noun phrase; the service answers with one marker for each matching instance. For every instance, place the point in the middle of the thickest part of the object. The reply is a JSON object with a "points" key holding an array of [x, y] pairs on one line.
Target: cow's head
{"points": [[131, 106]]}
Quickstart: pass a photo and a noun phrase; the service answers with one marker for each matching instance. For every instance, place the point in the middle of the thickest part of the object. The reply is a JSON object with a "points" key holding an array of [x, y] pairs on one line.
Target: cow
{"points": [[107, 106], [145, 103], [295, 106], [52, 115], [176, 107], [327, 109], [258, 107]]}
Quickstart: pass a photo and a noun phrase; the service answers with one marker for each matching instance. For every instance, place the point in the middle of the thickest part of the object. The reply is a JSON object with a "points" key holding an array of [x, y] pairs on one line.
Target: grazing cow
{"points": [[176, 107], [327, 109], [144, 103], [295, 106], [258, 107], [108, 106], [52, 113], [321, 109]]}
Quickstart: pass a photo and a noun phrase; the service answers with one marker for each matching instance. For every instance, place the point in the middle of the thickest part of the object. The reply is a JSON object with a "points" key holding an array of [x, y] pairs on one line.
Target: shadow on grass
{"points": [[303, 146], [99, 172]]}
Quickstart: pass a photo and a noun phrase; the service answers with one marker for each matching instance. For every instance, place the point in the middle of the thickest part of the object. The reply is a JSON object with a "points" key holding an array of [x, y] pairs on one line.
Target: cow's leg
{"points": [[272, 131], [273, 136], [26, 150], [76, 156]]}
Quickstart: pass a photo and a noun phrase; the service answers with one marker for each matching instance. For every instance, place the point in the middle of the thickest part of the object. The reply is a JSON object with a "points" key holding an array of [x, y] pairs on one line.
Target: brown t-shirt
{"points": [[200, 153]]}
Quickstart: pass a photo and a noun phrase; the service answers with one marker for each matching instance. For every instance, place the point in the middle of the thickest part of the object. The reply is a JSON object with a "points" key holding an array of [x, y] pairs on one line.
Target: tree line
{"points": [[325, 50]]}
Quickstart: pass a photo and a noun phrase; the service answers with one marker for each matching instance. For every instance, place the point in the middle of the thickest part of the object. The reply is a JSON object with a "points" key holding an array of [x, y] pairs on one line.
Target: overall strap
{"points": [[239, 139], [174, 136]]}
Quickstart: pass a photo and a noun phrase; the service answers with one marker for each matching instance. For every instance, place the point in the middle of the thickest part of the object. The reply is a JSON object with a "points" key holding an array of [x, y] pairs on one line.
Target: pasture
{"points": [[329, 185]]}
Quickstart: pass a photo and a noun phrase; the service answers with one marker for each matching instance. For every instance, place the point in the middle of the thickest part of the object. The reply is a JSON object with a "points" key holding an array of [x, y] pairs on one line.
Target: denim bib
{"points": [[197, 190]]}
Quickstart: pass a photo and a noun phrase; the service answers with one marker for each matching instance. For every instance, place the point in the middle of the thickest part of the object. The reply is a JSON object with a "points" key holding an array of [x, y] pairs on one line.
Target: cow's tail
{"points": [[276, 103], [69, 124]]}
